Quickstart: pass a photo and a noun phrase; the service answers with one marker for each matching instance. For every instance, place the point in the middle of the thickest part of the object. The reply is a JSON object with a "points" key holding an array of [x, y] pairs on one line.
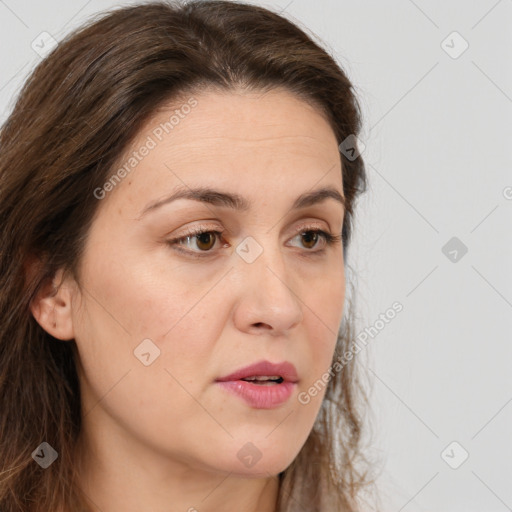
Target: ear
{"points": [[52, 308]]}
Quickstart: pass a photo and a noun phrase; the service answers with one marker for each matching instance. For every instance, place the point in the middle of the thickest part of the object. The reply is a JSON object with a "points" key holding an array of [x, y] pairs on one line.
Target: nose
{"points": [[268, 301]]}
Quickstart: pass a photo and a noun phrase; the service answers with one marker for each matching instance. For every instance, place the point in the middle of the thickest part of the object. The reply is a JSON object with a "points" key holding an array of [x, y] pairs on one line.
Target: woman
{"points": [[175, 218]]}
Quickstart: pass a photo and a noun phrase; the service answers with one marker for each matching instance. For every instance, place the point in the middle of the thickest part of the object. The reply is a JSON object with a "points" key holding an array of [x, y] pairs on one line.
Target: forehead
{"points": [[251, 140]]}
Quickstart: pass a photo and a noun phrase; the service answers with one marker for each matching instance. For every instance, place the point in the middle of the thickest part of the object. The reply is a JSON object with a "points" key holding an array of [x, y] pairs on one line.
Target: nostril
{"points": [[262, 324]]}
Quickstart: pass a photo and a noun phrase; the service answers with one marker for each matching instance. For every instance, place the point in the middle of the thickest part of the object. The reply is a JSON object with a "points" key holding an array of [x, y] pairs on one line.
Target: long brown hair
{"points": [[74, 117]]}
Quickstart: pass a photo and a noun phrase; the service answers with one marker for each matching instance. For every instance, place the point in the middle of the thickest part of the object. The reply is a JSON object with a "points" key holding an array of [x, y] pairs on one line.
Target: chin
{"points": [[252, 461], [260, 470]]}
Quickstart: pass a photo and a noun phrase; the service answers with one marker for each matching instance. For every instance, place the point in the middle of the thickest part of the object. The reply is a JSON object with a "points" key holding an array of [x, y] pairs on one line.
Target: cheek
{"points": [[324, 307], [138, 321], [322, 319], [135, 315]]}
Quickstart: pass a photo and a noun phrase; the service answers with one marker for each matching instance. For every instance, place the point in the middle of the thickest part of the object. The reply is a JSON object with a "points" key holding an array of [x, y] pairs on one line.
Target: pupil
{"points": [[201, 239], [310, 235]]}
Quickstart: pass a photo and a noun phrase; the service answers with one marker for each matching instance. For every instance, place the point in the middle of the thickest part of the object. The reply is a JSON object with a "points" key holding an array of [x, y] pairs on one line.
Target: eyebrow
{"points": [[238, 202]]}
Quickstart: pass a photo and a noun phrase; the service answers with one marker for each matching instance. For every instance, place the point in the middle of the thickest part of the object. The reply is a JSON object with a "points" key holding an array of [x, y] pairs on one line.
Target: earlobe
{"points": [[51, 308]]}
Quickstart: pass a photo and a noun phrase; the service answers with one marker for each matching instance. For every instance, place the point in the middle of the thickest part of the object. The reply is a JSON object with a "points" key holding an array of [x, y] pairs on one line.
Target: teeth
{"points": [[263, 378]]}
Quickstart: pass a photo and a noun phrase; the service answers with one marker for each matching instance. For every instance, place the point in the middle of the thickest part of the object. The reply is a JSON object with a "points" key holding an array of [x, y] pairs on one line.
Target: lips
{"points": [[263, 385], [280, 372]]}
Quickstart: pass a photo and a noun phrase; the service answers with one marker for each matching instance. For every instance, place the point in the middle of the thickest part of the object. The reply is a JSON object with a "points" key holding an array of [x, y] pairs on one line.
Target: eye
{"points": [[205, 240], [311, 237]]}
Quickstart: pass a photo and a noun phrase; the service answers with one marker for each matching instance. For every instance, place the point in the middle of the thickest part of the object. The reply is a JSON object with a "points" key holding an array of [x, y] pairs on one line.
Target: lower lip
{"points": [[260, 396]]}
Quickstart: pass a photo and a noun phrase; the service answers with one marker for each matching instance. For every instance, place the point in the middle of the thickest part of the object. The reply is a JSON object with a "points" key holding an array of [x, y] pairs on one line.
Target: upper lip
{"points": [[285, 370]]}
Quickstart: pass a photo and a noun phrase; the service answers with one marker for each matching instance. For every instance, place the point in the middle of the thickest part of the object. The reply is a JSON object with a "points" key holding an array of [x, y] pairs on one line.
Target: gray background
{"points": [[437, 123]]}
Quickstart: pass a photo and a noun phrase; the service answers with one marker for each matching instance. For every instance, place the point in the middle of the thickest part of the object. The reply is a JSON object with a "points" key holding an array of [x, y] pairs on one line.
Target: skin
{"points": [[165, 437]]}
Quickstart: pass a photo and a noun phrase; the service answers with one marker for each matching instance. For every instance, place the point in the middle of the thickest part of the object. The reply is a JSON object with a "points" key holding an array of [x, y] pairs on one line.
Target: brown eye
{"points": [[205, 241], [198, 242], [310, 239], [315, 240]]}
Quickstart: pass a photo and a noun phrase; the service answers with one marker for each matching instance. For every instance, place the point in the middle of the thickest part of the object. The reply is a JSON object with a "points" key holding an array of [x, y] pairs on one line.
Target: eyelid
{"points": [[196, 230], [311, 224]]}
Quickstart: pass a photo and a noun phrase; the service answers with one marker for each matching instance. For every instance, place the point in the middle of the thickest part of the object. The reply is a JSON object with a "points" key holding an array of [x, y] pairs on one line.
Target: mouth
{"points": [[263, 385], [264, 380], [264, 373]]}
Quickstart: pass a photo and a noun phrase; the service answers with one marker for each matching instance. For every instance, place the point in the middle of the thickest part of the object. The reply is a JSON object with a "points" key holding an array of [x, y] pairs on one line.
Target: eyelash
{"points": [[328, 238]]}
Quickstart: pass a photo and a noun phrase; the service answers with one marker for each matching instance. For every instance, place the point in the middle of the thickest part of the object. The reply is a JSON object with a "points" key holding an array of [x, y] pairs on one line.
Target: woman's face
{"points": [[159, 322]]}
